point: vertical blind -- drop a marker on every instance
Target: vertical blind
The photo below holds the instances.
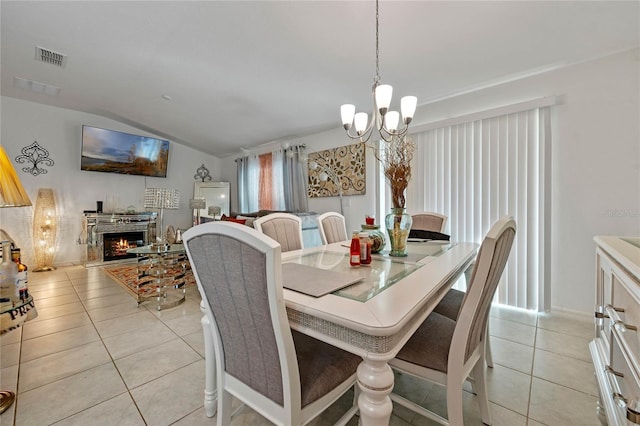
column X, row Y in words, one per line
column 478, row 171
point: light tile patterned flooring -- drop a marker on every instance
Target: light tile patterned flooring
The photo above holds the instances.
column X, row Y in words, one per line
column 92, row 357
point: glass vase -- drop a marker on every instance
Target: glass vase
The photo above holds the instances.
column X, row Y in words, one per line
column 398, row 224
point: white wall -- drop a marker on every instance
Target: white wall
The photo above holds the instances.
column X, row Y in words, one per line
column 59, row 130
column 595, row 171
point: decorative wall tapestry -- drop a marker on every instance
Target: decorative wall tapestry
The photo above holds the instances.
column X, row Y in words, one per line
column 36, row 155
column 345, row 165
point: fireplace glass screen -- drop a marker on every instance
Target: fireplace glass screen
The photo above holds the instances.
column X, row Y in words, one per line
column 116, row 244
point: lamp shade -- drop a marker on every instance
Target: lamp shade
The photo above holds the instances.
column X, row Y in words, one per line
column 12, row 194
column 197, row 203
column 162, row 198
column 214, row 210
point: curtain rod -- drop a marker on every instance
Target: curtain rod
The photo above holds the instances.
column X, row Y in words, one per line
column 246, row 154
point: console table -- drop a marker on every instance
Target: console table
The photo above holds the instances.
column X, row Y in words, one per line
column 615, row 350
column 161, row 274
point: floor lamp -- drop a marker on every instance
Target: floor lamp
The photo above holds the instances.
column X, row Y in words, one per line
column 12, row 194
column 161, row 198
column 45, row 230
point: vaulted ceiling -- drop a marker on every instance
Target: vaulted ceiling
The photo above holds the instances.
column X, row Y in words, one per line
column 244, row 73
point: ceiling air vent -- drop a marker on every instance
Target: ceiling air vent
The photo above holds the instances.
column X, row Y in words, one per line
column 50, row 57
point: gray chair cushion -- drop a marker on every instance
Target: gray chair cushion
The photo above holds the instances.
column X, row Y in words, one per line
column 322, row 367
column 429, row 345
column 450, row 304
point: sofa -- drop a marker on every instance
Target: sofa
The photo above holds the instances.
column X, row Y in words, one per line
column 310, row 232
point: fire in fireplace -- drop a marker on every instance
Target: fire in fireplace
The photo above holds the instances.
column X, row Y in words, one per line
column 116, row 244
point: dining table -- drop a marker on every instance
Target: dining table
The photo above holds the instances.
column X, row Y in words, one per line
column 374, row 316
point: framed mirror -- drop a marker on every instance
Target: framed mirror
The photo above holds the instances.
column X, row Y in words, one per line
column 216, row 199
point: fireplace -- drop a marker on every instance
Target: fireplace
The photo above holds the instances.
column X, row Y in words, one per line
column 109, row 235
column 116, row 244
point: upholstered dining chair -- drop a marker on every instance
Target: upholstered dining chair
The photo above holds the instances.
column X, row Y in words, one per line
column 332, row 228
column 286, row 376
column 285, row 228
column 445, row 351
column 429, row 221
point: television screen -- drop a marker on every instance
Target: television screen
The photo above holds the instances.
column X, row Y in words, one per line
column 117, row 152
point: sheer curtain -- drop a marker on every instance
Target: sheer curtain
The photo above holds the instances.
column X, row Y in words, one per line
column 277, row 180
column 477, row 171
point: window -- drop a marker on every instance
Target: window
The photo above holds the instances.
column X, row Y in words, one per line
column 478, row 171
column 273, row 181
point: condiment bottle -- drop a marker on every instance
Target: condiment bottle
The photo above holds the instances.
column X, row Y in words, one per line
column 22, row 274
column 354, row 253
column 365, row 248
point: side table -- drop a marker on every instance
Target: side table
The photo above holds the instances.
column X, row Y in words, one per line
column 11, row 317
column 161, row 274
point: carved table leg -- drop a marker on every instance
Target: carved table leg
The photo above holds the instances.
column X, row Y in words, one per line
column 375, row 380
column 210, row 387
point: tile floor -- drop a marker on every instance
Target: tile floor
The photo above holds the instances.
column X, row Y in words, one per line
column 92, row 357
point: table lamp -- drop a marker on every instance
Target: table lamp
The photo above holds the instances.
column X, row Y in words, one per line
column 214, row 210
column 197, row 204
column 161, row 198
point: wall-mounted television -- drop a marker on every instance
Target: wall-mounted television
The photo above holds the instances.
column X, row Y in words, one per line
column 118, row 152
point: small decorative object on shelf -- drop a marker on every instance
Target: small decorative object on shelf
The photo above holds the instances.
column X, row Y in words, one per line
column 202, row 173
column 36, row 155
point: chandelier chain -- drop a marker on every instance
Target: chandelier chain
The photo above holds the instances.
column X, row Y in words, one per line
column 377, row 77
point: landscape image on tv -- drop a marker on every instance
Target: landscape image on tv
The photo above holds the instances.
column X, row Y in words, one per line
column 117, row 152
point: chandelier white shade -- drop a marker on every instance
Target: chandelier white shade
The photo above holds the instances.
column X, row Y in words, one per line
column 385, row 121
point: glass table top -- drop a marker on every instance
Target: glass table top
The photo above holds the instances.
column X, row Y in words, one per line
column 383, row 272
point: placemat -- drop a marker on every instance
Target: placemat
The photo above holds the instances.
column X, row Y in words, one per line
column 314, row 282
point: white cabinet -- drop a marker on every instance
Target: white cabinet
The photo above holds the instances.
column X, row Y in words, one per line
column 615, row 350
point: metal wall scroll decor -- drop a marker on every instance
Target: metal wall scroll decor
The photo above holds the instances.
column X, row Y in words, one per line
column 37, row 156
column 348, row 163
column 202, row 173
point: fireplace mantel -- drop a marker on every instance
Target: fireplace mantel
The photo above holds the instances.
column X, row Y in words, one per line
column 96, row 225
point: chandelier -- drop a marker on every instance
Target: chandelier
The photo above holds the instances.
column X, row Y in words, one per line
column 385, row 121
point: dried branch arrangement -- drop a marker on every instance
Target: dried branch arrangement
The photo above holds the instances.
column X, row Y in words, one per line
column 395, row 158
